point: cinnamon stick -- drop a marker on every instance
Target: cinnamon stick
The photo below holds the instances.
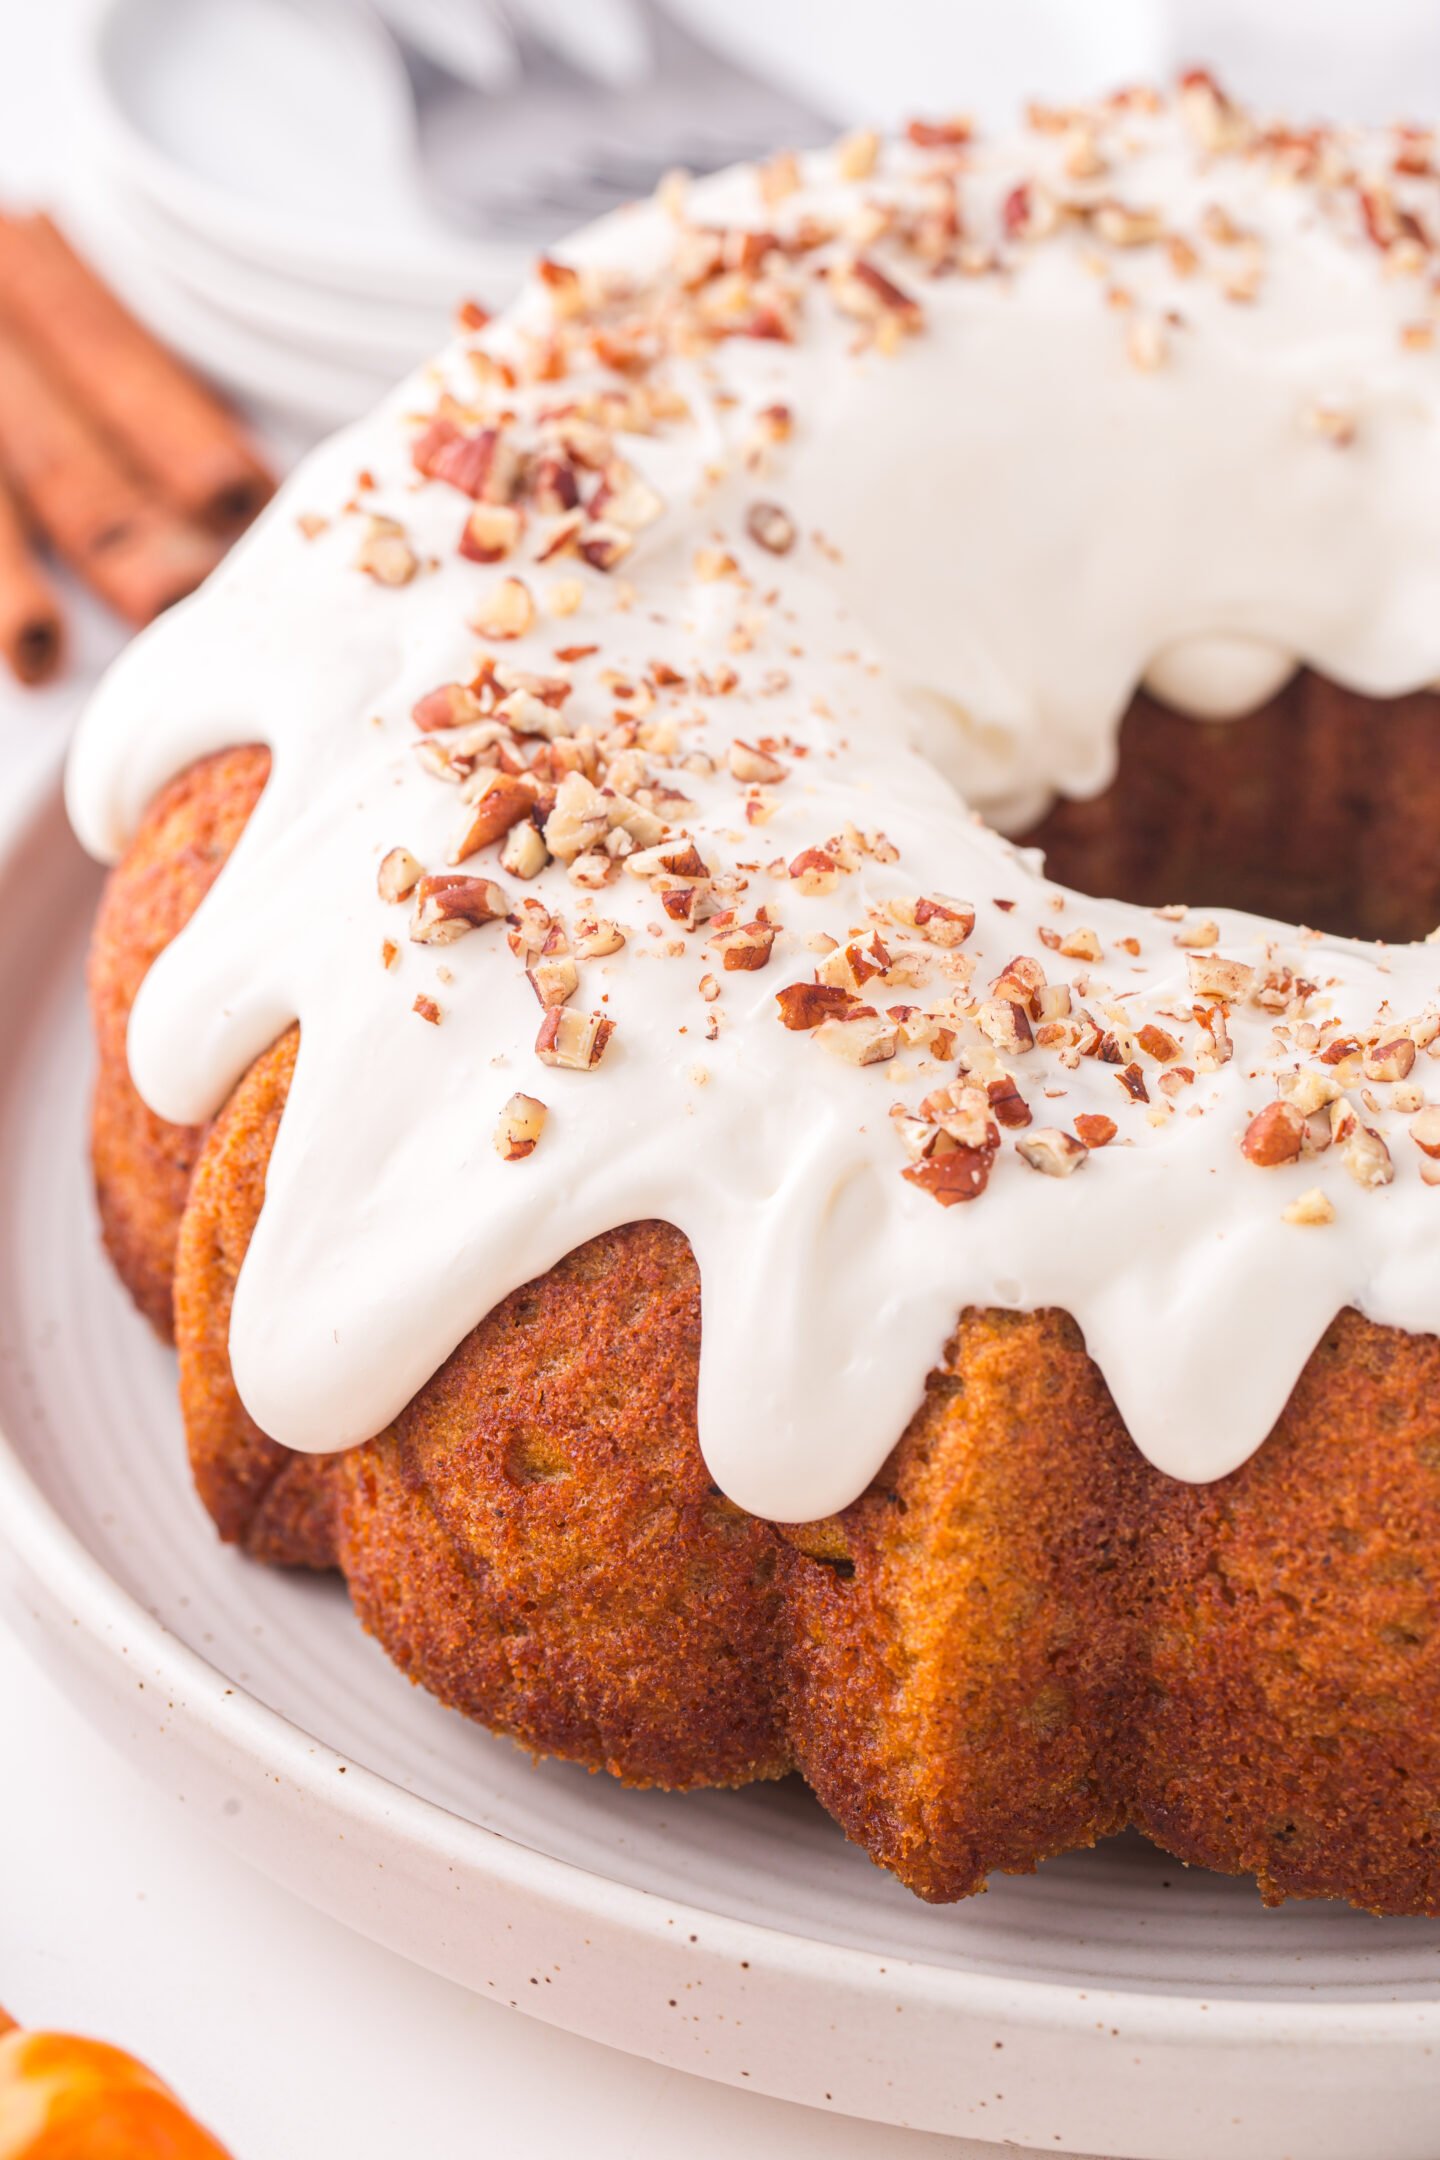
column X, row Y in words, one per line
column 175, row 433
column 134, row 552
column 31, row 635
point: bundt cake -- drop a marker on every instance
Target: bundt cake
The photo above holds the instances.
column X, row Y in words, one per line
column 552, row 899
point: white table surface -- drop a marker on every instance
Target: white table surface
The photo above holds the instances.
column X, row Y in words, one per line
column 294, row 2038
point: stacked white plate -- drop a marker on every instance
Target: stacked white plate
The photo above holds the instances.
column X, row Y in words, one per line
column 248, row 181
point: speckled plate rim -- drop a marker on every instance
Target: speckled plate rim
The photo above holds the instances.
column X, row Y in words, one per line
column 1155, row 2074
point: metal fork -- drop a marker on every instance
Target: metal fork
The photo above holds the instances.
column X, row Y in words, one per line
column 557, row 148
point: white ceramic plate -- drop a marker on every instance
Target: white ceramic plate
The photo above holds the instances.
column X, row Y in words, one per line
column 323, row 391
column 279, row 132
column 1113, row 2003
column 288, row 311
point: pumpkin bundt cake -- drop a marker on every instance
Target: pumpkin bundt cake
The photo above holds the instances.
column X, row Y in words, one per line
column 561, row 889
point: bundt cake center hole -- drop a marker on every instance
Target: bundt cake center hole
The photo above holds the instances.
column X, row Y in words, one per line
column 1321, row 808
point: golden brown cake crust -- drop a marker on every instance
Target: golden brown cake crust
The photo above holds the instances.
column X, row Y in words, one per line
column 142, row 1165
column 1020, row 1638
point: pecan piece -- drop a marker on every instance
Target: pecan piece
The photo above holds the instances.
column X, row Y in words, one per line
column 805, row 1005
column 492, row 531
column 1312, row 1210
column 398, row 875
column 1051, row 1151
column 1213, row 976
column 1425, row 1131
column 573, row 1039
column 482, row 464
column 385, row 554
column 446, row 907
column 1390, row 1060
column 962, row 1174
column 1007, row 1104
column 1006, row 1024
column 745, row 947
column 1273, row 1136
column 1095, row 1130
column 506, row 612
column 518, row 1132
column 939, row 919
column 499, row 801
column 453, row 705
column 751, row 765
column 770, row 527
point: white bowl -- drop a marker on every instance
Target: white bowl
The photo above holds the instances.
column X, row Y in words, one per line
column 325, row 393
column 372, row 335
column 279, row 131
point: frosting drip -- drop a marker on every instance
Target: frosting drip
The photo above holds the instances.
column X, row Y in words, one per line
column 1095, row 455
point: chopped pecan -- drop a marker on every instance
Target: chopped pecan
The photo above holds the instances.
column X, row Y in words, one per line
column 1051, row 1151
column 498, row 802
column 856, row 155
column 507, row 611
column 1197, row 936
column 1273, row 1136
column 453, row 705
column 1390, row 1059
column 1312, row 1210
column 1095, row 1129
column 524, row 854
column 1007, row 1103
column 603, row 544
column 1080, row 944
column 573, row 1039
column 754, row 766
column 964, row 1114
column 745, row 947
column 580, row 817
column 492, row 531
column 521, row 1123
column 862, row 289
column 805, row 1005
column 385, row 554
column 1120, row 225
column 553, row 977
column 398, row 875
column 1007, row 1024
column 962, row 1174
column 596, row 938
column 770, row 527
column 859, row 1036
column 1362, row 1150
column 482, row 464
column 446, row 907
column 669, row 859
column 815, row 871
column 1425, row 1131
column 1212, row 976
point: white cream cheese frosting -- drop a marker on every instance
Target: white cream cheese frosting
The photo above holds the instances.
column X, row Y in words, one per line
column 1144, row 391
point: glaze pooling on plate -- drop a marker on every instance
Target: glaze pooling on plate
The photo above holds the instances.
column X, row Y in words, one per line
column 881, row 518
